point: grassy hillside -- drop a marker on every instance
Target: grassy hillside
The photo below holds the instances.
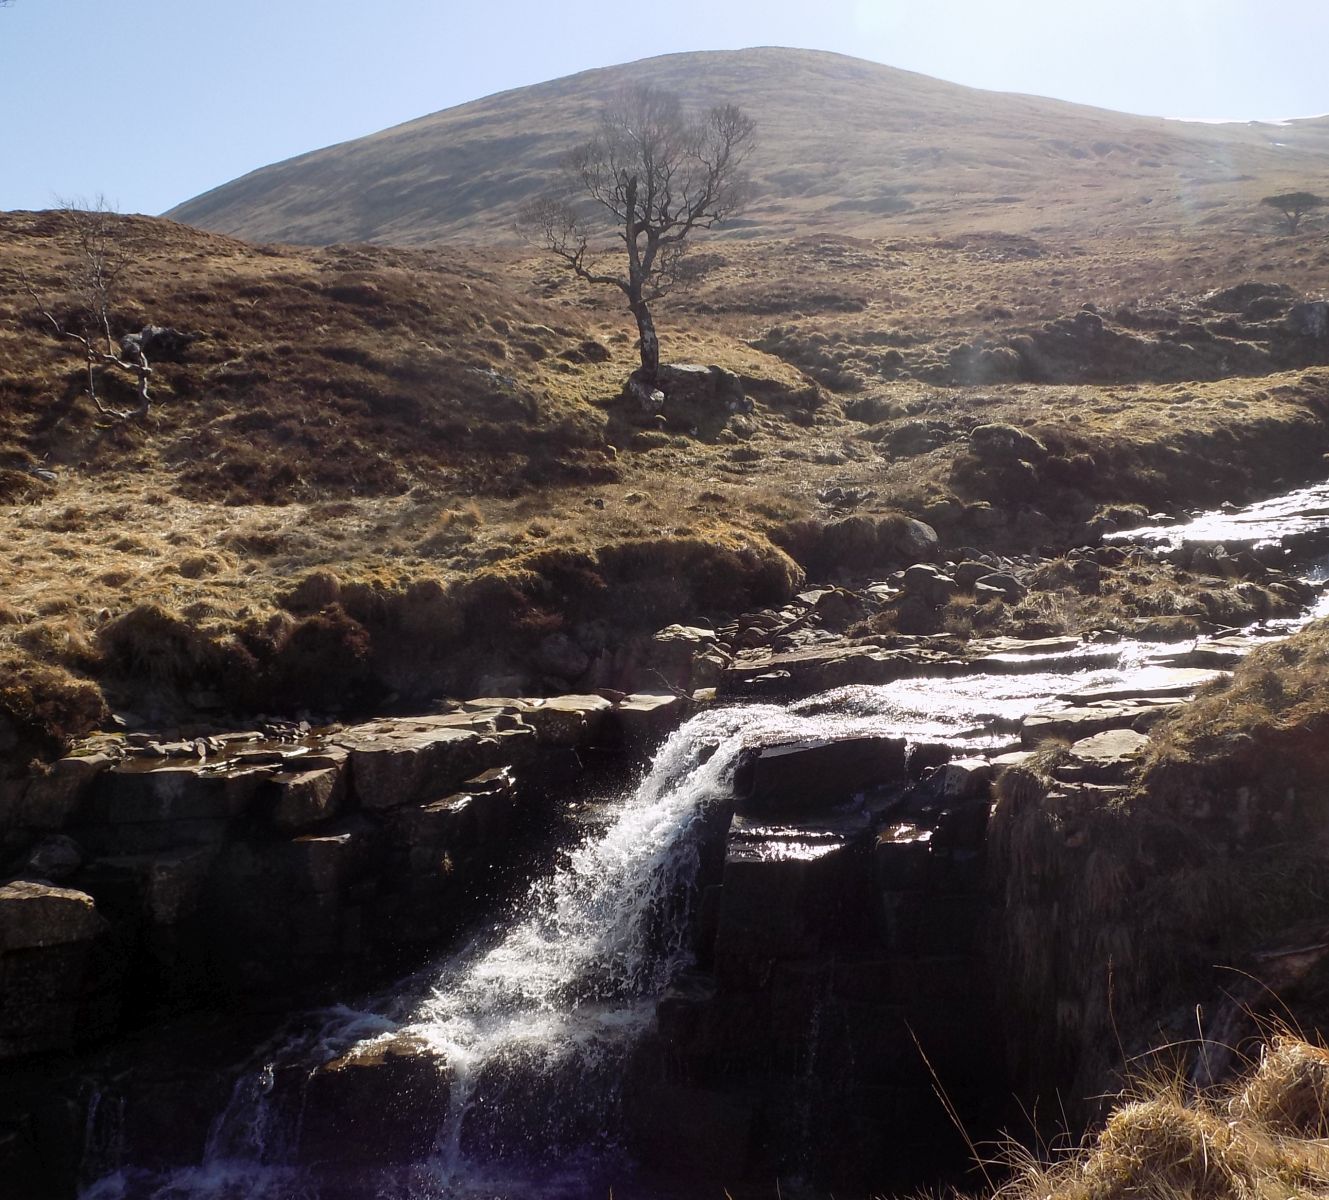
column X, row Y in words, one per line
column 389, row 472
column 845, row 146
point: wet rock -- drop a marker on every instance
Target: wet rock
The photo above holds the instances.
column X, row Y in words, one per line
column 382, row 1103
column 964, row 779
column 811, row 776
column 781, row 898
column 693, row 1132
column 1085, row 721
column 1151, row 683
column 901, row 858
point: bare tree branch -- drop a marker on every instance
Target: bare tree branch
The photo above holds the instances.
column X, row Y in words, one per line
column 656, row 178
column 102, row 255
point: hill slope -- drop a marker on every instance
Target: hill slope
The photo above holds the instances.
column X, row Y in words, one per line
column 845, row 145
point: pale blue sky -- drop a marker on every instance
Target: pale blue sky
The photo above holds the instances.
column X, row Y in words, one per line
column 151, row 101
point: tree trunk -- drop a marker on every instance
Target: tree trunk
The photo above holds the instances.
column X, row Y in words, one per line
column 650, row 344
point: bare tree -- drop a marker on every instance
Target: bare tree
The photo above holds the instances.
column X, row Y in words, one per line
column 1295, row 205
column 102, row 252
column 656, row 177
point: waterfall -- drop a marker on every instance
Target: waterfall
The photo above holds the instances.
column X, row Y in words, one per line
column 537, row 1019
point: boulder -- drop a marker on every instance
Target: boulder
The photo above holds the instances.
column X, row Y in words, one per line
column 1007, row 584
column 1004, row 443
column 905, row 539
column 969, row 572
column 695, row 385
column 928, row 584
column 54, row 992
column 675, row 649
column 54, row 859
column 36, row 915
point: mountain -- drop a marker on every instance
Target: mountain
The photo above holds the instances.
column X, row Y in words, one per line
column 846, row 146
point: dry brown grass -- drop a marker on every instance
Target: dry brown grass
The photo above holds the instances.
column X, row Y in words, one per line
column 413, row 425
column 1262, row 1138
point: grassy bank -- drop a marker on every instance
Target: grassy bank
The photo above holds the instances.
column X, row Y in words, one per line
column 440, row 447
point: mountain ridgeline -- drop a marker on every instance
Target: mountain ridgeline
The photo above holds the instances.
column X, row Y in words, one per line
column 845, row 146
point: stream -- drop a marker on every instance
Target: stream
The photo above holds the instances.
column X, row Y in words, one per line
column 534, row 1023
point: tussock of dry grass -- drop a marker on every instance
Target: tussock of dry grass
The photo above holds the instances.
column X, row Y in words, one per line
column 1279, row 691
column 1260, row 1139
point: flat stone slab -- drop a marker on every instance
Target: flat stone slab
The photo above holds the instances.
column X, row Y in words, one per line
column 416, row 760
column 1083, row 721
column 571, row 720
column 1104, row 758
column 34, row 915
column 645, row 717
column 1149, row 682
column 1024, row 646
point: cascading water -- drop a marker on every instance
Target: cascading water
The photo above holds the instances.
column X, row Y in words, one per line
column 536, row 1022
